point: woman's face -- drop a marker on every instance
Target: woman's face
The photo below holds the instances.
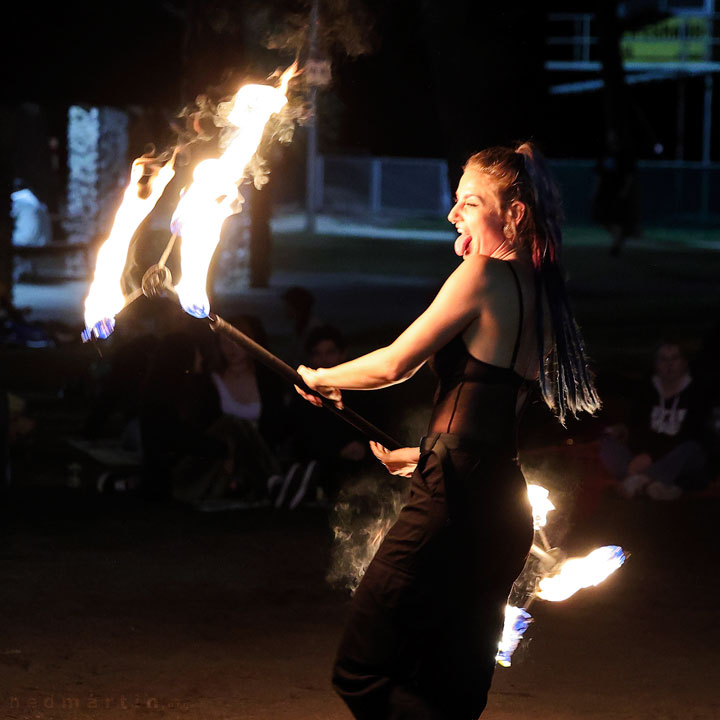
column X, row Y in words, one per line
column 477, row 216
column 670, row 363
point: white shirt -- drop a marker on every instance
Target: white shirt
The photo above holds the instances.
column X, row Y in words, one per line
column 230, row 406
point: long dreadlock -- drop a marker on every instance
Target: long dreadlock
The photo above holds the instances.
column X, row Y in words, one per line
column 522, row 175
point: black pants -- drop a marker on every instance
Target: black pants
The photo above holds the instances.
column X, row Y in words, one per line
column 425, row 622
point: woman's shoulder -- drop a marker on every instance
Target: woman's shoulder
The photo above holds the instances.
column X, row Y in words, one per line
column 485, row 273
column 486, row 264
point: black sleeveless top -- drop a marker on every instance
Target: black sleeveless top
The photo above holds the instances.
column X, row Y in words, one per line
column 474, row 399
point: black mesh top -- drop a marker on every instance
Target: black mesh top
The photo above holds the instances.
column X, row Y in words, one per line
column 475, row 399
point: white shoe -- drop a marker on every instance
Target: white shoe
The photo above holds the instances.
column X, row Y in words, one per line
column 661, row 491
column 287, row 482
column 303, row 488
column 274, row 485
column 632, row 485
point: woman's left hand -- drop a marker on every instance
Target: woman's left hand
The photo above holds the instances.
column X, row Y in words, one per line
column 398, row 462
column 313, row 380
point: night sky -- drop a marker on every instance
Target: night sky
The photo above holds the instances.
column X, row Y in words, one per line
column 434, row 79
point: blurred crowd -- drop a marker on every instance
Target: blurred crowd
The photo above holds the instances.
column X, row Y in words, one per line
column 178, row 412
column 210, row 427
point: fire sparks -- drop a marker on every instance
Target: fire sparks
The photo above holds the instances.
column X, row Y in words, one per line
column 517, row 621
column 212, row 196
column 578, row 573
column 105, row 298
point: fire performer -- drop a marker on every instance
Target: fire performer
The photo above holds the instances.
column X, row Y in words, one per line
column 426, row 619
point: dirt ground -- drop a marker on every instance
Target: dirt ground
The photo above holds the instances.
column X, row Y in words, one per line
column 112, row 609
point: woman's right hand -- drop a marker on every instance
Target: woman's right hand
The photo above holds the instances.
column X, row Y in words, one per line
column 398, row 462
column 313, row 380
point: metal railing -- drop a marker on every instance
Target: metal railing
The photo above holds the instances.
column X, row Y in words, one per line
column 382, row 185
column 572, row 42
column 669, row 192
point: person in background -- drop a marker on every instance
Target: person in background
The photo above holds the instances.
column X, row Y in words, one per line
column 4, row 443
column 616, row 203
column 707, row 372
column 327, row 451
column 179, row 405
column 32, row 219
column 299, row 310
column 253, row 415
column 662, row 450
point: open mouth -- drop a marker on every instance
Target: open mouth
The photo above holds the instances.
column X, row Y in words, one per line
column 462, row 244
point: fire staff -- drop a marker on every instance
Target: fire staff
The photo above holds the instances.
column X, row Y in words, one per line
column 424, row 625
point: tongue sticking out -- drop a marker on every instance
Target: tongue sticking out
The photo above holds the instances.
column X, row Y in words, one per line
column 462, row 244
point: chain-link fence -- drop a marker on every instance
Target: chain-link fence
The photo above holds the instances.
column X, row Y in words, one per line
column 669, row 192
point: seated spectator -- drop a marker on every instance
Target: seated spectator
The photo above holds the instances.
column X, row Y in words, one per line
column 16, row 430
column 21, row 426
column 116, row 384
column 4, row 442
column 662, row 451
column 209, row 420
column 326, row 449
column 708, row 374
column 179, row 404
column 299, row 310
column 252, row 421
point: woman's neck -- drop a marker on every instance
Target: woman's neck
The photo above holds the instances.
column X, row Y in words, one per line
column 672, row 386
column 506, row 251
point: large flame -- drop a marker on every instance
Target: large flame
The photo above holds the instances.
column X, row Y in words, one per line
column 517, row 621
column 541, row 505
column 577, row 573
column 105, row 298
column 211, row 197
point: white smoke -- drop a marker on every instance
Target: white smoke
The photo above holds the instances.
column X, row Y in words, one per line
column 363, row 514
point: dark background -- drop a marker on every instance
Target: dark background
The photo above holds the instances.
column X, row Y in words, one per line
column 409, row 78
column 105, row 595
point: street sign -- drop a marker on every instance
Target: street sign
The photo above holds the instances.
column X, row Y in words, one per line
column 318, row 72
column 675, row 39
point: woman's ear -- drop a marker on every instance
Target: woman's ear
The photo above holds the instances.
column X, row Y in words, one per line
column 516, row 211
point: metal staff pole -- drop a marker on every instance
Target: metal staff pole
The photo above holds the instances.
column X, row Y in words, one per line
column 158, row 281
column 274, row 363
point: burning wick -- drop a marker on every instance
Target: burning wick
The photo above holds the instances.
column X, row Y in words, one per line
column 517, row 621
column 557, row 578
column 578, row 573
column 105, row 298
column 212, row 196
column 198, row 218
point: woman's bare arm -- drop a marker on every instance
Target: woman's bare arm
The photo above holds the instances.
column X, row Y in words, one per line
column 456, row 305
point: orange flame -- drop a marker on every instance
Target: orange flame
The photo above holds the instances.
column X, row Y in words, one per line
column 105, row 298
column 577, row 573
column 211, row 197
